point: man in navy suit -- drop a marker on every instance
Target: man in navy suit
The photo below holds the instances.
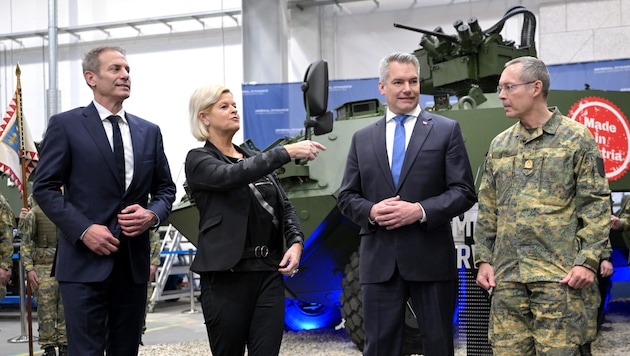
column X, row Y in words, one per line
column 407, row 249
column 117, row 185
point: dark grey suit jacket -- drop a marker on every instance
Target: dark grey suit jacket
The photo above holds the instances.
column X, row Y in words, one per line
column 76, row 154
column 436, row 173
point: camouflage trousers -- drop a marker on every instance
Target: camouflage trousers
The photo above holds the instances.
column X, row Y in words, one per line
column 539, row 318
column 3, row 291
column 150, row 288
column 592, row 299
column 50, row 317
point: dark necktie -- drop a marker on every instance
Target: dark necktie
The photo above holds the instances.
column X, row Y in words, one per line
column 398, row 152
column 119, row 149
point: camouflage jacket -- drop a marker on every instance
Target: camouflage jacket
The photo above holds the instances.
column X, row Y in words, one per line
column 7, row 224
column 156, row 247
column 624, row 216
column 28, row 229
column 544, row 202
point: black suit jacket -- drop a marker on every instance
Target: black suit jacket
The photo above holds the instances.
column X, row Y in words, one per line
column 222, row 196
column 76, row 154
column 436, row 173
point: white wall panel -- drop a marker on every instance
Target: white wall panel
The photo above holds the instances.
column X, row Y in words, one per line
column 305, row 42
column 552, row 18
column 611, row 43
column 566, row 47
column 625, row 13
column 593, row 14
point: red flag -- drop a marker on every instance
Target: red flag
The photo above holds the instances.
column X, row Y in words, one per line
column 11, row 138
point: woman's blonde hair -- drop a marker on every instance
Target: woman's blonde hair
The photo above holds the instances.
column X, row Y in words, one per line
column 202, row 99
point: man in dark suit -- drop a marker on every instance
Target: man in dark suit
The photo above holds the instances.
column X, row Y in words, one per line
column 407, row 249
column 117, row 185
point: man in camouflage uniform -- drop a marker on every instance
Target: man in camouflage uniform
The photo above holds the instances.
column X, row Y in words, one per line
column 7, row 224
column 156, row 249
column 594, row 301
column 621, row 221
column 543, row 220
column 39, row 241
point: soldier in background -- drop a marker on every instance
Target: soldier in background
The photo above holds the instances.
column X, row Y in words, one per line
column 621, row 221
column 39, row 242
column 156, row 249
column 7, row 223
column 594, row 299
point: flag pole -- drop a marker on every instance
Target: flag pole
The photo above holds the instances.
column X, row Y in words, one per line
column 18, row 113
column 22, row 150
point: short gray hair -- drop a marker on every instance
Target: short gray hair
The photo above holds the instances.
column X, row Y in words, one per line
column 533, row 69
column 400, row 57
column 91, row 61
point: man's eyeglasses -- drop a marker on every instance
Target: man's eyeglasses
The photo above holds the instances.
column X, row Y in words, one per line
column 509, row 87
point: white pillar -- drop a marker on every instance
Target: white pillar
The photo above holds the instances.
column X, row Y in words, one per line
column 265, row 41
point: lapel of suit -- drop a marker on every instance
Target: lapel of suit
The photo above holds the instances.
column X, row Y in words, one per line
column 379, row 147
column 421, row 130
column 94, row 126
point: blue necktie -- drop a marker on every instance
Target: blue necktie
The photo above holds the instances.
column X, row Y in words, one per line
column 119, row 150
column 398, row 152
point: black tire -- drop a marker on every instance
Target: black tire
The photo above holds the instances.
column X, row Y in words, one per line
column 352, row 312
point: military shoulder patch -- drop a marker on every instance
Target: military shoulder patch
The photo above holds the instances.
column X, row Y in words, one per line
column 600, row 167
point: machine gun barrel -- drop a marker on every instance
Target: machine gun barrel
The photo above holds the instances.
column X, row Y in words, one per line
column 443, row 36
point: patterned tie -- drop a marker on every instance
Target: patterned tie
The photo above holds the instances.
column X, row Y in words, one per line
column 398, row 152
column 119, row 149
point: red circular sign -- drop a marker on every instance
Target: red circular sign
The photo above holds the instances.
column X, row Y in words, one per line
column 610, row 127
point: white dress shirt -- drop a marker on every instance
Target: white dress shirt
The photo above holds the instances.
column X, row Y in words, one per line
column 390, row 129
column 126, row 137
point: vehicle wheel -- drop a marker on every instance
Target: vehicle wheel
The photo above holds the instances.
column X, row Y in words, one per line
column 352, row 312
column 308, row 316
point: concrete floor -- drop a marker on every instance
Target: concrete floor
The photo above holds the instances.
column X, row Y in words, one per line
column 170, row 322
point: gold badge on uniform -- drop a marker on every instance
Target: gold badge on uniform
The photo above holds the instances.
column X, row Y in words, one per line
column 529, row 164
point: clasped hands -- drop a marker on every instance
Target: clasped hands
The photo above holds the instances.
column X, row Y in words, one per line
column 133, row 221
column 392, row 213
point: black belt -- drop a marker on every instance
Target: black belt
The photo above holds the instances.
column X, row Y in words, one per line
column 256, row 252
